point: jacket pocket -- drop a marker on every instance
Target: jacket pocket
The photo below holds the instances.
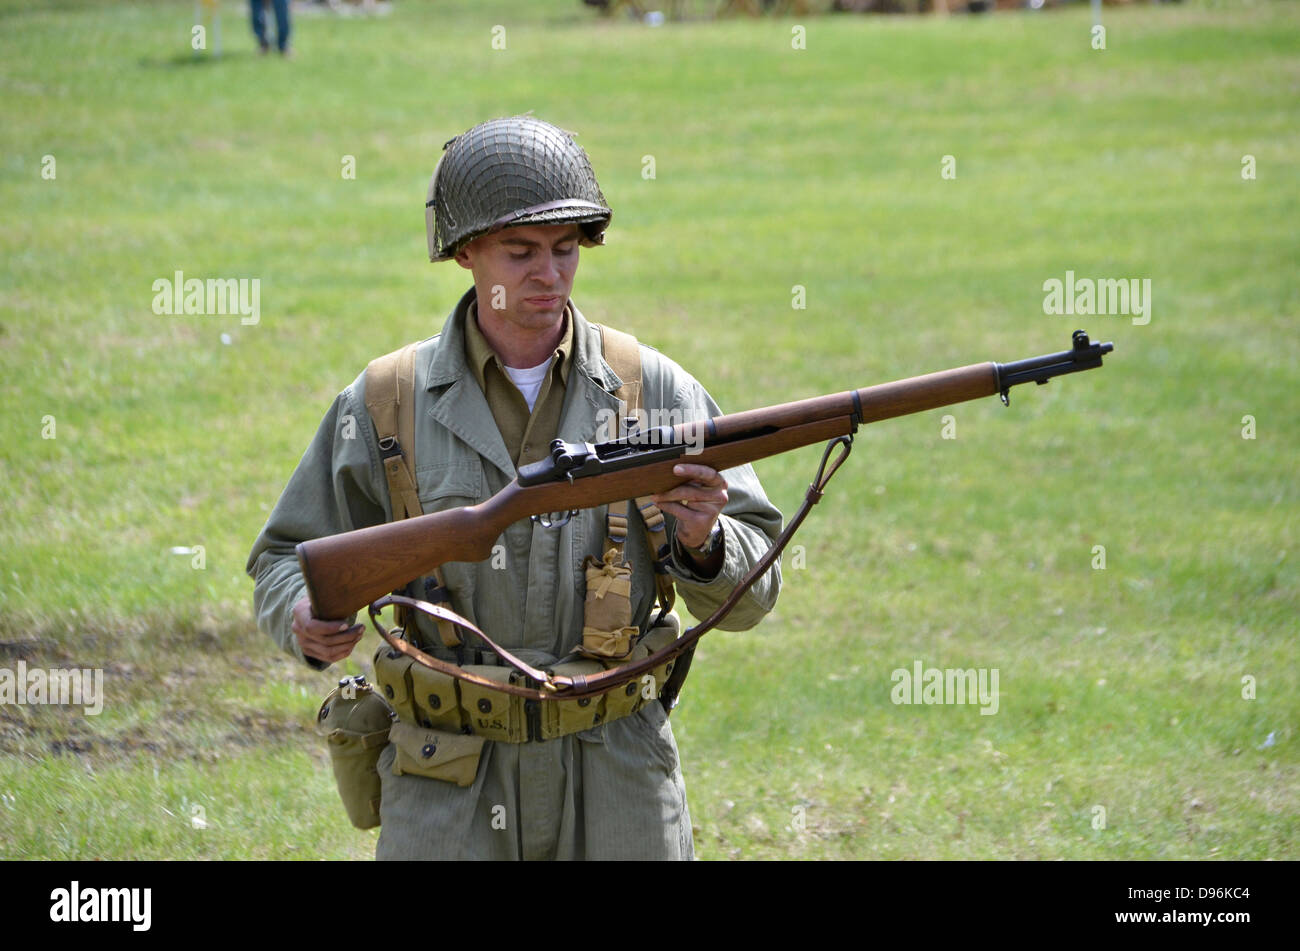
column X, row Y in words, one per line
column 650, row 723
column 450, row 486
column 443, row 487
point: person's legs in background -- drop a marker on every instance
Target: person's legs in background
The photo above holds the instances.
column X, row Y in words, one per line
column 259, row 24
column 282, row 25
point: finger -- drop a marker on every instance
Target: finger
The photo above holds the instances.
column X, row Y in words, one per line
column 689, row 516
column 351, row 635
column 329, row 656
column 340, row 653
column 700, row 474
column 710, row 507
column 693, row 492
column 320, row 629
column 681, row 512
column 699, row 481
column 336, row 648
column 697, row 513
column 316, row 643
column 330, row 627
column 329, row 641
column 691, row 522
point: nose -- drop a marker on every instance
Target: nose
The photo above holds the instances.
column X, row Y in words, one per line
column 548, row 268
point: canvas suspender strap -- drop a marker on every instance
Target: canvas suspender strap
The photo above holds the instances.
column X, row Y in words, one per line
column 390, row 398
column 387, row 379
column 623, row 354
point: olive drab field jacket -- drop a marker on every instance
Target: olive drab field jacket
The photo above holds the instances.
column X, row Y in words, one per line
column 613, row 791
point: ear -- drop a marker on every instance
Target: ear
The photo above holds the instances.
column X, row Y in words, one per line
column 465, row 256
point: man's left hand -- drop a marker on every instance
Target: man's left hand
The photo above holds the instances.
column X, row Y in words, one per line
column 695, row 504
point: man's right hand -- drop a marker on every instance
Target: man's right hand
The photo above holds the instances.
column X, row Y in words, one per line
column 330, row 641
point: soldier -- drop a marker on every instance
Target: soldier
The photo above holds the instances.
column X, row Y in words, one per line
column 516, row 365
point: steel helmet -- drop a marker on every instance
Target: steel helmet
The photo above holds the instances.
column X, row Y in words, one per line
column 506, row 172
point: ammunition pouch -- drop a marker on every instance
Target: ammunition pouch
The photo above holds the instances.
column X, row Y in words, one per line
column 435, row 754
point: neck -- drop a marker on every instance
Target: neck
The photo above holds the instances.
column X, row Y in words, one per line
column 520, row 347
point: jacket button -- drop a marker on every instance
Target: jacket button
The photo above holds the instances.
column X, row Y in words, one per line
column 485, row 705
column 388, row 691
column 631, row 688
column 584, row 702
column 428, row 750
column 435, row 701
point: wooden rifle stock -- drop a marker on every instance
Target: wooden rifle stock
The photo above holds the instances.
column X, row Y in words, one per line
column 346, row 572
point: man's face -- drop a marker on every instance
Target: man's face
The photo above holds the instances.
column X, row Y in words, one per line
column 524, row 274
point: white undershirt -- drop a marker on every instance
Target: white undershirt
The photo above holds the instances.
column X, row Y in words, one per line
column 529, row 380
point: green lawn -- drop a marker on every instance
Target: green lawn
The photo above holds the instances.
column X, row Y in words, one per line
column 1122, row 730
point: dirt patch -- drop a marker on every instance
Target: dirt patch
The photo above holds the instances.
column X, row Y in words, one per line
column 187, row 735
column 31, row 648
column 168, row 689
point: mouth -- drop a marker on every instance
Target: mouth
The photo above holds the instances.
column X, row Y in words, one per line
column 549, row 301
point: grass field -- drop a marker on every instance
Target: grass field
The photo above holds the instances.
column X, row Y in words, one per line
column 1124, row 727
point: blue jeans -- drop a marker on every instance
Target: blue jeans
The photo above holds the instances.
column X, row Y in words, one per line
column 281, row 23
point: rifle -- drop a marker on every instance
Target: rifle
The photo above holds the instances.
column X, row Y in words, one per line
column 348, row 571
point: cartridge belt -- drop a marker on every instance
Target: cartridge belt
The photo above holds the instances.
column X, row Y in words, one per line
column 476, row 705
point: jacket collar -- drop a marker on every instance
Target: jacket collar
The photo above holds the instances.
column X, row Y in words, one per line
column 464, row 410
column 449, row 363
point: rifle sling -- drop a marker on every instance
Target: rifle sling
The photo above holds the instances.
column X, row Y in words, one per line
column 552, row 687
